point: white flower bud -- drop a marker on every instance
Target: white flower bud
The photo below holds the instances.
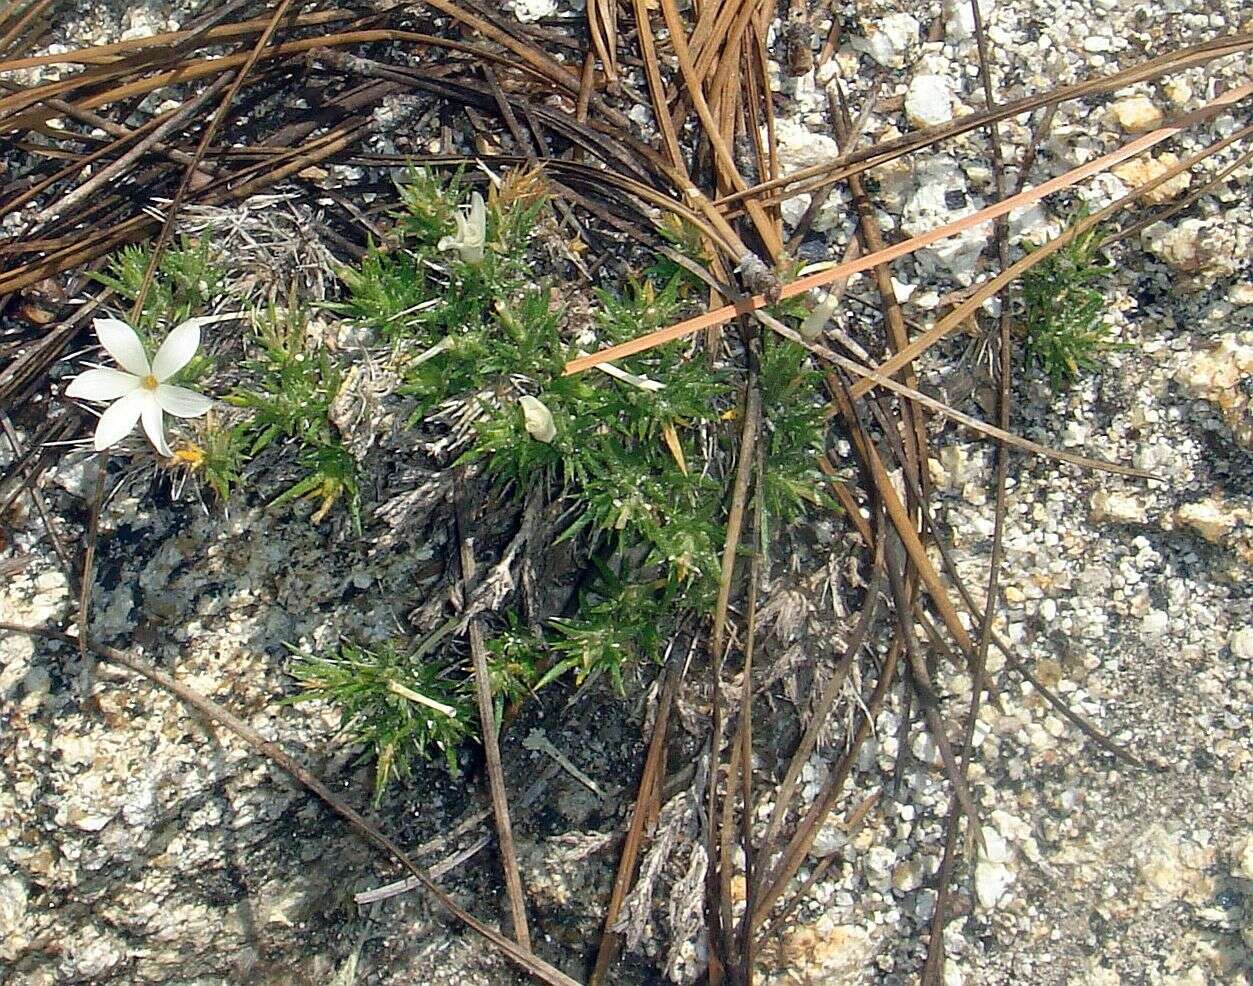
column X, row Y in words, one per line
column 539, row 420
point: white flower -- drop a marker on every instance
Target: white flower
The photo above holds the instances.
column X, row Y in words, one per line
column 471, row 232
column 538, row 419
column 139, row 390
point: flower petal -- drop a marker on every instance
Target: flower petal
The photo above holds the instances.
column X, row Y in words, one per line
column 122, row 343
column 538, row 419
column 119, row 418
column 181, row 402
column 177, row 350
column 101, row 384
column 154, row 426
column 478, row 215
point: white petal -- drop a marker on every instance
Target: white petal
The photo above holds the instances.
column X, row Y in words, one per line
column 181, row 402
column 121, row 342
column 154, row 427
column 447, row 242
column 476, row 228
column 119, row 418
column 538, row 419
column 101, row 384
column 643, row 383
column 177, row 350
column 429, row 354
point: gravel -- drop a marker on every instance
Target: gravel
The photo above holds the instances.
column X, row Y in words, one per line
column 140, row 846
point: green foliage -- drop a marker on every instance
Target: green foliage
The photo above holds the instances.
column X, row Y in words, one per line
column 1063, row 309
column 641, row 309
column 290, row 398
column 517, row 335
column 293, row 387
column 619, row 623
column 388, row 292
column 515, row 660
column 693, row 393
column 384, row 700
column 445, row 368
column 331, row 477
column 639, row 496
column 635, row 459
column 794, row 422
column 630, row 462
column 526, row 338
column 515, row 458
column 427, row 206
column 216, row 455
column 415, row 291
column 188, row 278
column 685, row 239
column 513, row 210
column 623, row 455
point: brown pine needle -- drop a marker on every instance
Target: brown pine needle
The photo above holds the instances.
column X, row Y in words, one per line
column 272, row 752
column 720, row 316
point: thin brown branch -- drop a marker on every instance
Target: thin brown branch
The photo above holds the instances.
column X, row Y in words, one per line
column 1027, row 197
column 491, row 745
column 717, row 903
column 802, row 181
column 152, row 139
column 646, row 798
column 107, row 54
column 802, row 841
column 818, row 718
column 933, row 968
column 272, row 752
column 678, row 40
column 167, row 228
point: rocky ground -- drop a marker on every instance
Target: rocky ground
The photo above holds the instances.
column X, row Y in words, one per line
column 140, row 845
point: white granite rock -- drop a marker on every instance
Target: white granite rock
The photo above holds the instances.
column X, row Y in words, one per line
column 1117, row 508
column 1220, row 375
column 959, row 19
column 992, row 880
column 889, row 38
column 13, row 897
column 1136, row 114
column 942, row 196
column 928, row 101
column 993, row 875
column 529, row 11
column 1212, row 518
column 1203, row 249
column 1242, row 858
column 907, row 876
column 800, row 147
column 1143, row 169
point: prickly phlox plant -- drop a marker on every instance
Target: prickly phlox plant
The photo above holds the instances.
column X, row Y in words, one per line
column 1063, row 308
column 631, row 460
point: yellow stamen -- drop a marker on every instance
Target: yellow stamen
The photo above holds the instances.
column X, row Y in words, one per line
column 149, row 382
column 191, row 456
